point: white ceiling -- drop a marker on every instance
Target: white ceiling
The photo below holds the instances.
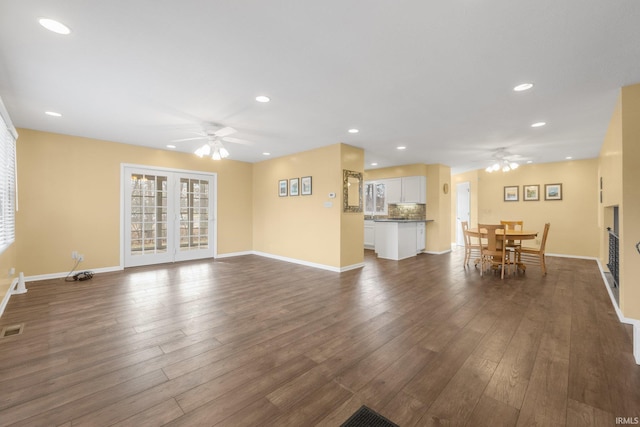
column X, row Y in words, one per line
column 435, row 76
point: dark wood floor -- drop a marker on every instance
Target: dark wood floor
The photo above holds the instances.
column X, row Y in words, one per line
column 251, row 341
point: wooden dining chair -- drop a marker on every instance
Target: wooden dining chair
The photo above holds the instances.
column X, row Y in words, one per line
column 513, row 246
column 471, row 245
column 493, row 251
column 536, row 256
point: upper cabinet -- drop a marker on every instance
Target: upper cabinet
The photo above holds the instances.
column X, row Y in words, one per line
column 408, row 189
column 394, row 190
column 414, row 189
column 379, row 193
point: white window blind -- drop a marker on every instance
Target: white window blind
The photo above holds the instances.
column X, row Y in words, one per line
column 8, row 137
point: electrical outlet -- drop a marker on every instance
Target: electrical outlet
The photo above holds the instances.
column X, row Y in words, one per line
column 74, row 255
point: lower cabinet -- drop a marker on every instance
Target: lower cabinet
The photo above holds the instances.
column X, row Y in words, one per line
column 398, row 239
column 369, row 234
column 421, row 243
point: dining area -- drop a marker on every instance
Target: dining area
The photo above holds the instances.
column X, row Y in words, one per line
column 506, row 248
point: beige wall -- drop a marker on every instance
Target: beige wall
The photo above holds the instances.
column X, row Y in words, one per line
column 308, row 228
column 574, row 220
column 619, row 168
column 438, row 231
column 630, row 206
column 351, row 223
column 69, row 196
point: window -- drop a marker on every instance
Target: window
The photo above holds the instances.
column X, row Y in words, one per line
column 7, row 179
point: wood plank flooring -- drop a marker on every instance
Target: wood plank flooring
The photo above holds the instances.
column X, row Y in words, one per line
column 251, row 341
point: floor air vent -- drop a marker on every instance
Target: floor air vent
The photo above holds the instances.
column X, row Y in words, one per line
column 8, row 331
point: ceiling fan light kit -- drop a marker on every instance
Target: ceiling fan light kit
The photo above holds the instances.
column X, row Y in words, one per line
column 505, row 165
column 502, row 163
column 215, row 148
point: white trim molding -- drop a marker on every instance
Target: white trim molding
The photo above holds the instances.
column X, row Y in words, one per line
column 636, row 341
column 310, row 264
column 5, row 300
column 437, row 253
column 63, row 275
column 232, row 254
column 634, row 322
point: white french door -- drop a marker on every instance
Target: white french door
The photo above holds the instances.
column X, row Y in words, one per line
column 168, row 215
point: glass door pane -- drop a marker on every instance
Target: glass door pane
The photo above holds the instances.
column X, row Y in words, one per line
column 195, row 217
column 147, row 216
column 168, row 216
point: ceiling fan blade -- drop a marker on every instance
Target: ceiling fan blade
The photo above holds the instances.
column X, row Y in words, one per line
column 237, row 141
column 225, row 131
column 189, row 139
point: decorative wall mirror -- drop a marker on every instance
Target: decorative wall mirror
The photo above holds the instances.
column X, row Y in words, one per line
column 352, row 191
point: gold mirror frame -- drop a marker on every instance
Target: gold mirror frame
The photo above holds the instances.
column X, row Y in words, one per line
column 350, row 178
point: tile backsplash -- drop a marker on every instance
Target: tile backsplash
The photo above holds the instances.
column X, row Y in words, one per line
column 408, row 210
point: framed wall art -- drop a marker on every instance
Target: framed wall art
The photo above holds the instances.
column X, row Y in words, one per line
column 282, row 188
column 553, row 191
column 511, row 193
column 294, row 184
column 530, row 192
column 305, row 185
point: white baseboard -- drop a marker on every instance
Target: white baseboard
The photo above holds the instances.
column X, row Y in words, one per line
column 232, row 254
column 634, row 322
column 39, row 277
column 636, row 341
column 5, row 299
column 436, row 253
column 310, row 264
column 572, row 256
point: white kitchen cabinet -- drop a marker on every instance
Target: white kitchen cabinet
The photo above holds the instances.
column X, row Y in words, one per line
column 408, row 189
column 395, row 239
column 369, row 234
column 420, row 236
column 414, row 189
column 394, row 189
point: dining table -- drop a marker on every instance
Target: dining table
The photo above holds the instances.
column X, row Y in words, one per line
column 507, row 234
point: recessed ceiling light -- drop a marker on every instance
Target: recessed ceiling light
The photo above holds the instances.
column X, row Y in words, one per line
column 53, row 114
column 568, row 157
column 353, row 130
column 523, row 86
column 171, row 146
column 402, row 147
column 374, row 164
column 262, row 98
column 538, row 124
column 529, row 161
column 266, row 154
column 55, row 26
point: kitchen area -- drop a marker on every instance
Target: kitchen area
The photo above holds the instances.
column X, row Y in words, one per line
column 395, row 216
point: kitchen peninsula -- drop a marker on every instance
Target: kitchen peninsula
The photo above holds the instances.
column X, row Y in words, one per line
column 399, row 238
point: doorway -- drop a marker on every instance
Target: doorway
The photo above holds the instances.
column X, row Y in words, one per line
column 168, row 215
column 463, row 209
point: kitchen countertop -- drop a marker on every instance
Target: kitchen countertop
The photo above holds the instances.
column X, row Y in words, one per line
column 401, row 220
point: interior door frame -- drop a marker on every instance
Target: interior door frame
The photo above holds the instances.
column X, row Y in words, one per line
column 462, row 188
column 124, row 181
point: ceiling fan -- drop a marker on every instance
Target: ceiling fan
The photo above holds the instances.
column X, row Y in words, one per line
column 214, row 146
column 503, row 160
